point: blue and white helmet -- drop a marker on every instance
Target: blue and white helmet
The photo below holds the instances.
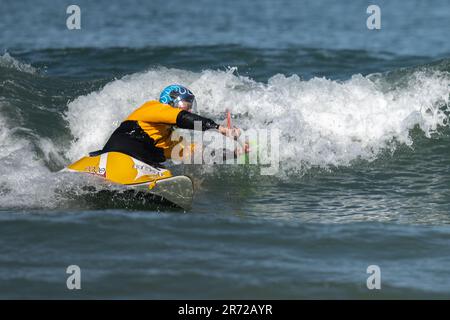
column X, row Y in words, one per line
column 175, row 93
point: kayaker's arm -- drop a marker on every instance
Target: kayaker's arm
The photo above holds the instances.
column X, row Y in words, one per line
column 155, row 112
column 186, row 120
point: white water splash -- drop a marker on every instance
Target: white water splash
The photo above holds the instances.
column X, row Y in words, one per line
column 322, row 122
column 25, row 180
column 7, row 61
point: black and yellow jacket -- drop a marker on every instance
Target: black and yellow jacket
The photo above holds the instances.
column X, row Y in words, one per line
column 146, row 133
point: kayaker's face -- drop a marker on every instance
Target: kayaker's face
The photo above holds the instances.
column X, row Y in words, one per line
column 185, row 105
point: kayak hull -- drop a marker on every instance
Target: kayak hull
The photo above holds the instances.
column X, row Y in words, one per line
column 133, row 174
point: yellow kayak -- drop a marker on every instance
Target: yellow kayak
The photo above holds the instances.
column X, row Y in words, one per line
column 134, row 174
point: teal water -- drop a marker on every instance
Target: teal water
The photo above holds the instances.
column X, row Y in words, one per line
column 364, row 169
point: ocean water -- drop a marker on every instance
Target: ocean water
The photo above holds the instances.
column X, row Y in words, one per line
column 364, row 175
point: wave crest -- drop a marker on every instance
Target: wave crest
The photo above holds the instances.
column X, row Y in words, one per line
column 6, row 61
column 322, row 122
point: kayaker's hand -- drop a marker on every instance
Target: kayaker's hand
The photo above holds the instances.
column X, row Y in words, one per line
column 230, row 132
column 242, row 150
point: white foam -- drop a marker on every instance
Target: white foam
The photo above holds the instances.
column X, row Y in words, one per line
column 25, row 180
column 9, row 62
column 18, row 169
column 323, row 122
